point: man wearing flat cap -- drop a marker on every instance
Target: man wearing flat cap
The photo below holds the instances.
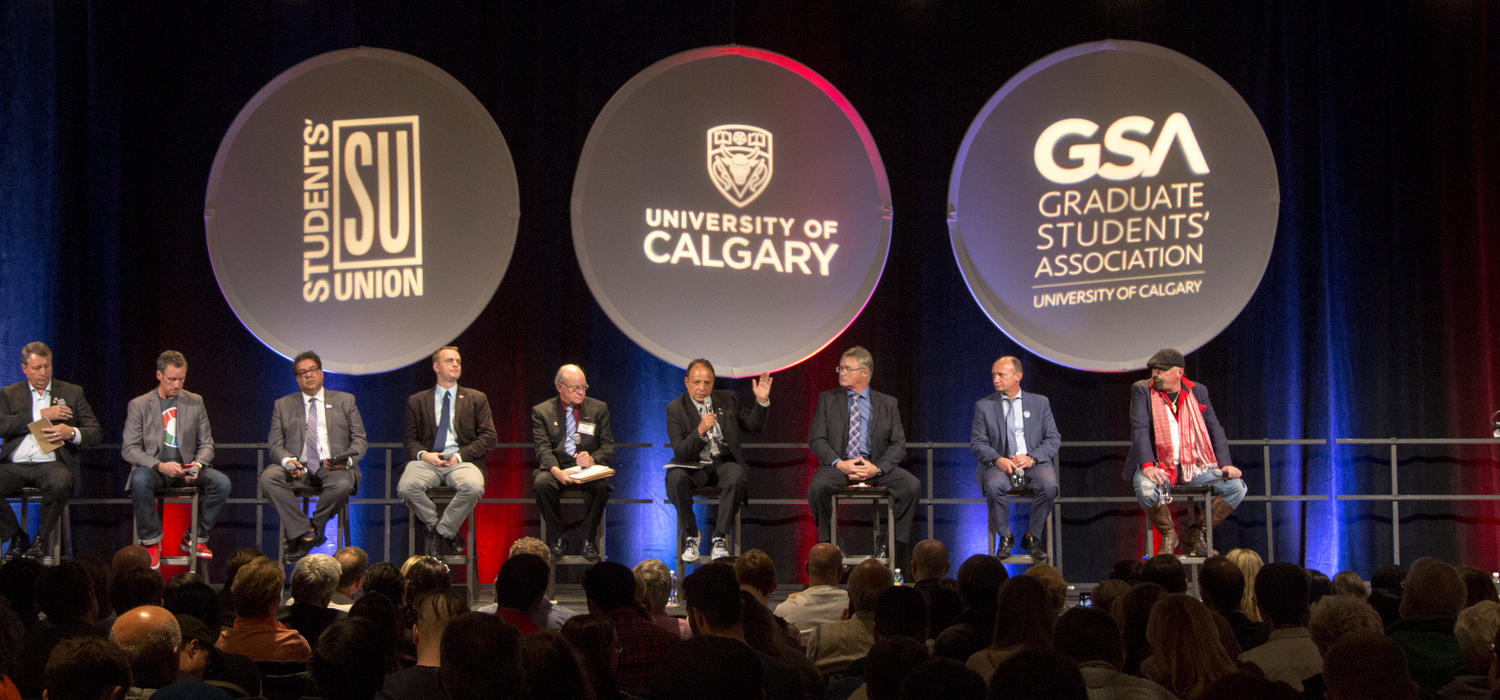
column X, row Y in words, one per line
column 1176, row 439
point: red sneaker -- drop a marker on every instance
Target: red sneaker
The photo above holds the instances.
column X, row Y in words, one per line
column 203, row 552
column 155, row 551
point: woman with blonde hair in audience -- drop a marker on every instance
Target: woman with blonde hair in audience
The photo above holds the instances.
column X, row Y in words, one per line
column 653, row 586
column 1249, row 563
column 1347, row 582
column 1186, row 654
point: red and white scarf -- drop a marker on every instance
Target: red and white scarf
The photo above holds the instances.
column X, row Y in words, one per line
column 1195, row 452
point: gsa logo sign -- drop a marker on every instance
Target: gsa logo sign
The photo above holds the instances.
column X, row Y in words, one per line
column 1111, row 199
column 370, row 225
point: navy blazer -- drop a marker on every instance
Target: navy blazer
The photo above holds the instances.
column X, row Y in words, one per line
column 1143, row 438
column 830, row 429
column 988, row 435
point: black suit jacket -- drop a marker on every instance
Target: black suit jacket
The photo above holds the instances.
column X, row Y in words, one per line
column 471, row 420
column 547, row 434
column 1143, row 438
column 682, row 425
column 830, row 429
column 15, row 415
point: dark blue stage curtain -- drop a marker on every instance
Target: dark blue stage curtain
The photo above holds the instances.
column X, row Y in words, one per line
column 1376, row 318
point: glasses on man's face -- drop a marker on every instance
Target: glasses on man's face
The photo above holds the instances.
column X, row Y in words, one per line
column 841, row 369
column 305, row 372
column 575, row 388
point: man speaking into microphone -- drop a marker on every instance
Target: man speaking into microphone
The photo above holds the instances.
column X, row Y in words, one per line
column 1176, row 439
column 704, row 427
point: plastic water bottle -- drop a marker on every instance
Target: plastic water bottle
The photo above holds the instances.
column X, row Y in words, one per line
column 897, row 579
column 1495, row 579
column 672, row 596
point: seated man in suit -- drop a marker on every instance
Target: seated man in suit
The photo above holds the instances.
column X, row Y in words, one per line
column 164, row 427
column 571, row 431
column 1015, row 439
column 25, row 463
column 857, row 437
column 448, row 432
column 699, row 437
column 316, row 438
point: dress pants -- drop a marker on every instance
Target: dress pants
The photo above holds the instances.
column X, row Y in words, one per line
column 994, row 484
column 337, row 485
column 728, row 476
column 53, row 478
column 418, row 476
column 548, row 494
column 905, row 488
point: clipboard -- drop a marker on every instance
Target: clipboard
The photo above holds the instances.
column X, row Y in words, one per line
column 584, row 475
column 38, row 429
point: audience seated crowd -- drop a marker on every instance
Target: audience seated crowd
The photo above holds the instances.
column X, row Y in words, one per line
column 357, row 630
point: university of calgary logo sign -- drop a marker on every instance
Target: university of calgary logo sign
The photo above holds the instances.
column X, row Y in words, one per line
column 739, row 161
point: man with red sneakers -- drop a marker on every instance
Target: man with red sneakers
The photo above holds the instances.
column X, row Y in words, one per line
column 170, row 443
column 1176, row 438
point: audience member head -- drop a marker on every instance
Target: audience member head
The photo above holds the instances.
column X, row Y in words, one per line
column 314, row 578
column 1338, row 616
column 1166, row 571
column 1479, row 583
column 197, row 650
column 1221, row 584
column 595, row 640
column 197, row 599
column 1281, row 591
column 730, row 668
column 347, row 660
column 353, row 562
column 1367, row 667
column 891, row 659
column 901, row 612
column 941, row 678
column 1037, row 673
column 1250, row 684
column 239, row 558
column 151, row 638
column 1023, row 616
column 131, row 556
column 1186, row 654
column 609, row 586
column 929, row 559
column 18, row 585
column 12, row 632
column 759, row 627
column 1349, row 583
column 98, row 571
column 979, row 580
column 256, row 590
column 551, row 669
column 522, row 582
column 825, row 565
column 1249, row 562
column 756, row 570
column 1108, row 591
column 64, row 593
column 712, row 596
column 653, row 586
column 1433, row 589
column 1133, row 614
column 386, row 620
column 1475, row 630
column 86, row 668
column 1127, row 570
column 435, row 609
column 1089, row 634
column 1318, row 585
column 424, row 574
column 866, row 582
column 133, row 588
column 384, row 578
column 531, row 545
column 481, row 658
column 1388, row 578
column 1053, row 582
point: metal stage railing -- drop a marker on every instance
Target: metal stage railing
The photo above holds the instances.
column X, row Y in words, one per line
column 926, row 459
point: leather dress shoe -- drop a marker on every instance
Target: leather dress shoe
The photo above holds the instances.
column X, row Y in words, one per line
column 18, row 544
column 1033, row 546
column 433, row 539
column 1007, row 543
column 590, row 552
column 559, row 546
column 455, row 544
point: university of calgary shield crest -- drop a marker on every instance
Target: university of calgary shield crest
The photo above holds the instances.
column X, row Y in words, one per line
column 739, row 161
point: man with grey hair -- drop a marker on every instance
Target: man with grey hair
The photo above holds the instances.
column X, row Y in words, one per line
column 571, row 431
column 314, row 579
column 1475, row 632
column 151, row 639
column 1431, row 597
column 857, row 437
column 1335, row 617
column 51, row 466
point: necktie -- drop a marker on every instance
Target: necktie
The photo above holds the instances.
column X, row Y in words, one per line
column 710, row 450
column 570, row 431
column 445, row 423
column 856, row 428
column 310, row 451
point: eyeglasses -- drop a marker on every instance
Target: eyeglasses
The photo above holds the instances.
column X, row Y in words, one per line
column 846, row 370
column 575, row 387
column 306, row 372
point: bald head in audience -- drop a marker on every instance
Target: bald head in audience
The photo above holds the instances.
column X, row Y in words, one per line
column 824, row 565
column 866, row 582
column 929, row 559
column 151, row 638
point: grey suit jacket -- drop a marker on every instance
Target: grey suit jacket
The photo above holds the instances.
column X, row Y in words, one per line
column 988, row 439
column 346, row 429
column 830, row 429
column 142, row 438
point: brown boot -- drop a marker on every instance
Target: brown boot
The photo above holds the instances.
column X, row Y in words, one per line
column 1195, row 536
column 1161, row 519
column 1221, row 510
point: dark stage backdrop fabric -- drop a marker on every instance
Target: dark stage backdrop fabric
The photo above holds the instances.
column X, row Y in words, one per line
column 1377, row 316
